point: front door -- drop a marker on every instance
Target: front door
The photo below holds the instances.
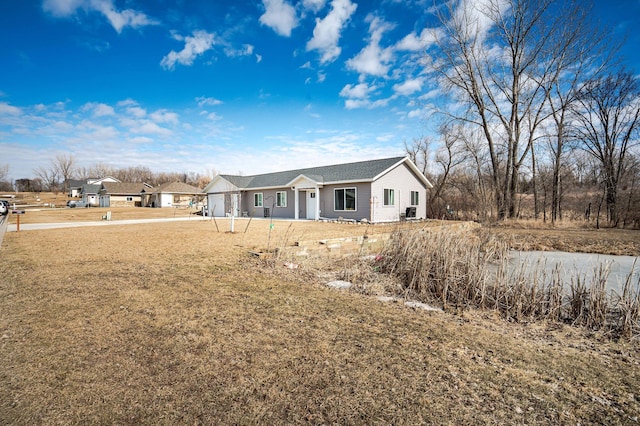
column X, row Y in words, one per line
column 312, row 204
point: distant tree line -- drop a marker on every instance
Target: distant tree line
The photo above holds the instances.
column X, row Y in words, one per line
column 539, row 117
column 56, row 175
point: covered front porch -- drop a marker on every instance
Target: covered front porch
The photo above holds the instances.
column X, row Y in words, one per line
column 310, row 188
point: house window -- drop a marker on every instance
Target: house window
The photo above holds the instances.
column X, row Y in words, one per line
column 129, row 198
column 281, row 199
column 389, row 197
column 257, row 199
column 415, row 198
column 344, row 199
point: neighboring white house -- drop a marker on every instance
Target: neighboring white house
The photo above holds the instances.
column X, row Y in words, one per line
column 382, row 190
column 75, row 185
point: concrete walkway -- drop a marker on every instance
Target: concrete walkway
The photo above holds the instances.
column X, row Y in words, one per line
column 57, row 225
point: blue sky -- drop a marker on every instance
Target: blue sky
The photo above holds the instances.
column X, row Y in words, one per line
column 227, row 86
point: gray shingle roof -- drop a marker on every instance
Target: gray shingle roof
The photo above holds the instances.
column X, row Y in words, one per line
column 123, row 188
column 88, row 188
column 360, row 171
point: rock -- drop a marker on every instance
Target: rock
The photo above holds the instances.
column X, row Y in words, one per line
column 339, row 284
column 423, row 306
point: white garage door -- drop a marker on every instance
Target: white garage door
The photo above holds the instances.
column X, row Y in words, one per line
column 216, row 204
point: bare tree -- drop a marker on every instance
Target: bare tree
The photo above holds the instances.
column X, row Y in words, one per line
column 607, row 122
column 65, row 167
column 419, row 151
column 498, row 58
column 49, row 177
column 4, row 172
column 586, row 51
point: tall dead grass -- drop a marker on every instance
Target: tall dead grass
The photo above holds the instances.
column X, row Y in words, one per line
column 460, row 270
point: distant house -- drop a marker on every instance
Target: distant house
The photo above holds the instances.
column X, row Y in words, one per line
column 173, row 194
column 75, row 185
column 90, row 194
column 122, row 194
column 383, row 190
column 98, row 181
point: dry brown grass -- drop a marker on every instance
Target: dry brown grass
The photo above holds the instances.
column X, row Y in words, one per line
column 587, row 240
column 176, row 324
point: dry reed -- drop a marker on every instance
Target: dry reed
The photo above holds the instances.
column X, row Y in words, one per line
column 459, row 270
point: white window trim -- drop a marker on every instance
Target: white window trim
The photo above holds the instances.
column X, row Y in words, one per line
column 284, row 198
column 255, row 199
column 355, row 199
column 392, row 193
column 417, row 198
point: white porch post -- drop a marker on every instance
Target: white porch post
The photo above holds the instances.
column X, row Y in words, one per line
column 317, row 215
column 296, row 197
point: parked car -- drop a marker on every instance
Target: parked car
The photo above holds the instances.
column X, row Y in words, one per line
column 4, row 207
column 72, row 203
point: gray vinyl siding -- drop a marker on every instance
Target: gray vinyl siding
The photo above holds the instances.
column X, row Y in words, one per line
column 363, row 194
column 269, row 201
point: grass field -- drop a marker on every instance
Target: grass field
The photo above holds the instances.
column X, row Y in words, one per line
column 178, row 324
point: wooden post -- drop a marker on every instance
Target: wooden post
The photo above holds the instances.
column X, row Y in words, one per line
column 18, row 224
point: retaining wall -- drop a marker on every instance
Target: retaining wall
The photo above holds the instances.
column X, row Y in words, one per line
column 363, row 244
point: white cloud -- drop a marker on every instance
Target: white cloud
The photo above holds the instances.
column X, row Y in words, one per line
column 126, row 103
column 416, row 113
column 140, row 140
column 280, row 16
column 359, row 91
column 6, row 109
column 164, row 116
column 202, row 101
column 314, row 5
column 146, row 127
column 99, row 109
column 193, row 47
column 149, row 127
column 62, row 8
column 326, row 33
column 409, row 86
column 412, row 42
column 365, row 103
column 117, row 18
column 373, row 59
column 214, row 117
column 137, row 111
column 246, row 50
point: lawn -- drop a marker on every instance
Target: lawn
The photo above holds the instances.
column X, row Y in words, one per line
column 178, row 324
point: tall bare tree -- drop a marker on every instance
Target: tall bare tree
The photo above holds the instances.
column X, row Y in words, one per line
column 419, row 151
column 498, row 58
column 49, row 177
column 64, row 164
column 4, row 172
column 586, row 52
column 607, row 123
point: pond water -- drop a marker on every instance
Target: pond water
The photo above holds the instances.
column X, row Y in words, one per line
column 583, row 265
